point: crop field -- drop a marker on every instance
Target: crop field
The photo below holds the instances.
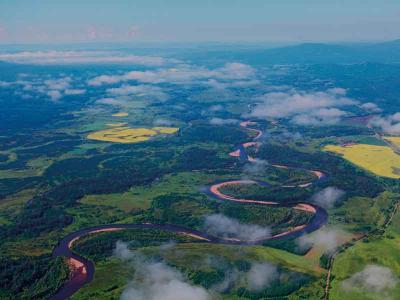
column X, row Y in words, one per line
column 122, row 124
column 393, row 139
column 380, row 160
column 129, row 135
column 120, row 114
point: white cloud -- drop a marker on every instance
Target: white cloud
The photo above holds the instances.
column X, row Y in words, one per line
column 256, row 167
column 326, row 239
column 5, row 83
column 110, row 101
column 104, row 79
column 217, row 107
column 162, row 122
column 316, row 108
column 219, row 121
column 54, row 95
column 58, row 84
column 389, row 124
column 371, row 107
column 156, row 280
column 328, row 197
column 74, row 91
column 373, row 278
column 319, row 117
column 261, row 275
column 183, row 74
column 79, row 57
column 145, row 90
column 223, row 226
column 55, row 88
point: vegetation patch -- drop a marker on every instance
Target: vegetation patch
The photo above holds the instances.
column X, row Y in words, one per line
column 377, row 250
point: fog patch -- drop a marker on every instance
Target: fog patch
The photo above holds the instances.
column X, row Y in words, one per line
column 326, row 239
column 162, row 122
column 219, row 121
column 258, row 277
column 231, row 277
column 373, row 279
column 223, row 226
column 217, row 107
column 255, row 168
column 389, row 124
column 328, row 197
column 261, row 275
column 156, row 280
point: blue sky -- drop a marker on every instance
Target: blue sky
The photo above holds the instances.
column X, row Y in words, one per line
column 65, row 21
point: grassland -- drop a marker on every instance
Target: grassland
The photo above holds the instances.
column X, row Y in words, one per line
column 34, row 167
column 191, row 253
column 141, row 197
column 128, row 135
column 382, row 251
column 380, row 160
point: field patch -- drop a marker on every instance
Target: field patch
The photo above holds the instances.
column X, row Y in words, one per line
column 393, row 139
column 128, row 135
column 120, row 115
column 380, row 160
column 122, row 124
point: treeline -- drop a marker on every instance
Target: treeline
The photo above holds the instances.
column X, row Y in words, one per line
column 267, row 193
column 31, row 277
column 220, row 134
column 101, row 246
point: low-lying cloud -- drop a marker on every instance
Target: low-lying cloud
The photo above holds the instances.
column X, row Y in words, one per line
column 181, row 74
column 261, row 275
column 326, row 239
column 139, row 90
column 256, row 167
column 371, row 107
column 220, row 121
column 302, row 108
column 223, row 226
column 79, row 57
column 328, row 197
column 389, row 124
column 55, row 87
column 373, row 279
column 156, row 280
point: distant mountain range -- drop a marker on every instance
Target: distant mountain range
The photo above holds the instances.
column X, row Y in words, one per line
column 256, row 54
column 309, row 53
column 388, row 52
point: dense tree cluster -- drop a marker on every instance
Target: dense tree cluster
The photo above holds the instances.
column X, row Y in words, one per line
column 31, row 277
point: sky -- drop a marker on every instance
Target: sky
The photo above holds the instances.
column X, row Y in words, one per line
column 77, row 21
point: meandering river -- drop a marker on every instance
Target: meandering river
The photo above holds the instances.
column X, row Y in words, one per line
column 82, row 269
